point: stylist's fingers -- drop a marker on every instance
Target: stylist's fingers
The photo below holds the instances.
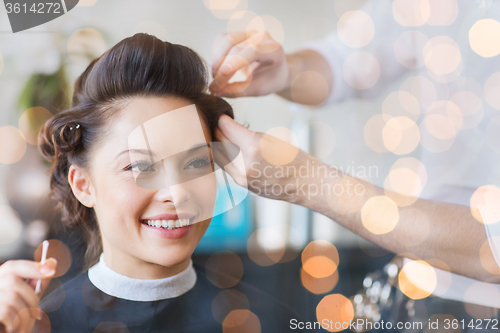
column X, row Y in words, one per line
column 223, row 44
column 238, row 134
column 239, row 57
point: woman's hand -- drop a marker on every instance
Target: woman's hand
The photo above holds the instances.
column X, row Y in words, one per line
column 18, row 301
column 257, row 56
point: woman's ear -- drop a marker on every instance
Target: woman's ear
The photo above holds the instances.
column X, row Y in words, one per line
column 81, row 186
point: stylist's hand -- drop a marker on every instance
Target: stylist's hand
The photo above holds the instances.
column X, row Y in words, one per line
column 18, row 301
column 257, row 55
column 264, row 156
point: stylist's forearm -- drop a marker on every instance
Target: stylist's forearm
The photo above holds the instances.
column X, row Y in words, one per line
column 310, row 78
column 451, row 233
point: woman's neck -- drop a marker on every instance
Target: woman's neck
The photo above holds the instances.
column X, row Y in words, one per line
column 131, row 266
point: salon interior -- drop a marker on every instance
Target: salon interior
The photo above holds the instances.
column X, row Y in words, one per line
column 298, row 256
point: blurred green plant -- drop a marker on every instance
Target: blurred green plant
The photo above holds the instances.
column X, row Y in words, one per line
column 50, row 91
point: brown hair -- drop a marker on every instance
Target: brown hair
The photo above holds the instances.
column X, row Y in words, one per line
column 141, row 65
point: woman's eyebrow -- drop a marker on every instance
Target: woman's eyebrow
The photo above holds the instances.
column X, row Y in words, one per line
column 140, row 151
column 151, row 154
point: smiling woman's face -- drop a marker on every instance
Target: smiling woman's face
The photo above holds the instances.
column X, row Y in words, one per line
column 168, row 186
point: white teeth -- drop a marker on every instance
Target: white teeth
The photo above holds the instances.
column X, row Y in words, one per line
column 168, row 224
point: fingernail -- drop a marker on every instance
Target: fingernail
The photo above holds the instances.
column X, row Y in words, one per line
column 226, row 69
column 46, row 270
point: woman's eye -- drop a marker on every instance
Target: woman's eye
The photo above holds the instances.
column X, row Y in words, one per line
column 142, row 167
column 198, row 163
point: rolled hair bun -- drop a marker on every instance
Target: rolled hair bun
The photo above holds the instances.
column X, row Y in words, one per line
column 138, row 66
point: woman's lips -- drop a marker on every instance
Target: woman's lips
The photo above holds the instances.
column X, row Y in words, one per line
column 169, row 225
column 168, row 233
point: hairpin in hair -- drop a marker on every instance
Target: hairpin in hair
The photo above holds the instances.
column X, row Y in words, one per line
column 77, row 127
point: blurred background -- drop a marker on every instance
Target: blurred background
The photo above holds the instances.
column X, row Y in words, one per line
column 261, row 241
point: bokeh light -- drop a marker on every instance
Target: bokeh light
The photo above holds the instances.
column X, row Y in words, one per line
column 355, row 29
column 265, row 246
column 224, row 9
column 492, row 90
column 320, row 258
column 411, row 13
column 241, row 321
column 408, row 48
column 401, row 135
column 36, row 232
column 10, row 225
column 60, row 252
column 487, row 293
column 479, row 311
column 373, row 133
column 486, row 256
column 442, row 55
column 265, row 24
column 227, row 301
column 471, row 107
column 401, row 104
column 309, row 79
column 319, row 285
column 30, row 122
column 422, row 88
column 337, row 310
column 224, row 269
column 444, row 277
column 442, row 12
column 152, row 28
column 492, row 134
column 12, row 145
column 254, row 27
column 485, row 204
column 441, row 124
column 379, row 215
column 484, row 36
column 417, row 279
column 319, row 267
column 407, row 177
column 282, row 150
column 361, row 70
column 84, row 45
column 41, row 326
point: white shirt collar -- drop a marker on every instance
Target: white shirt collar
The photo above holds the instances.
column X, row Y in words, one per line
column 121, row 286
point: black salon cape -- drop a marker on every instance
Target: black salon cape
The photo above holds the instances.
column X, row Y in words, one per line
column 84, row 307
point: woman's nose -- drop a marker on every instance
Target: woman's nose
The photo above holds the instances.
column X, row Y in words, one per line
column 173, row 190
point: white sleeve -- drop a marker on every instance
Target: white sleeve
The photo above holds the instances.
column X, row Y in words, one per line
column 358, row 73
